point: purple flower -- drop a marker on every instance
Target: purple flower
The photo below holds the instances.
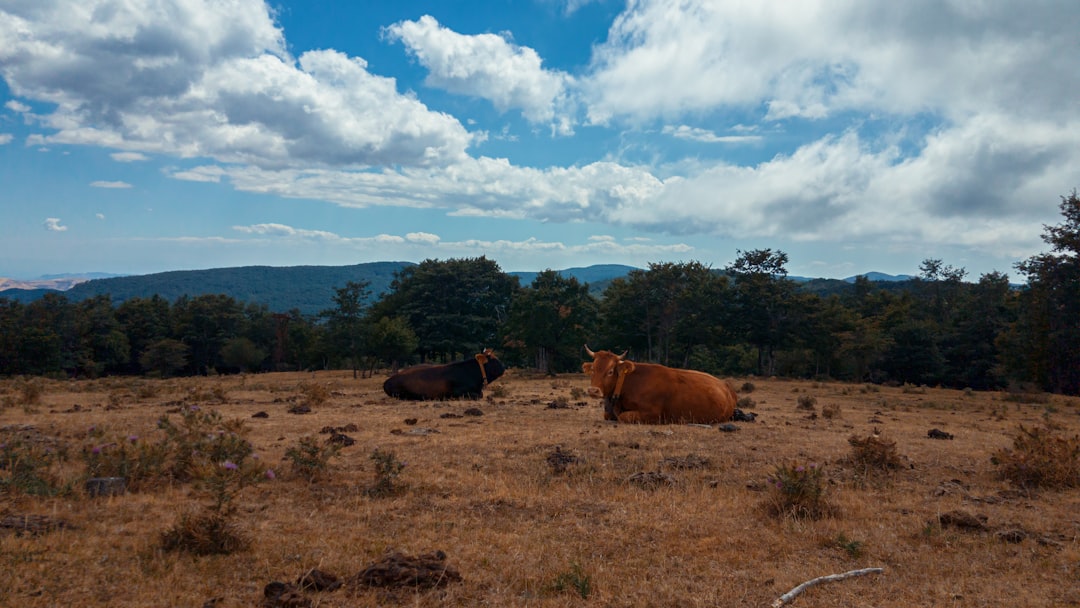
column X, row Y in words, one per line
column 270, row 474
column 194, row 408
column 799, row 469
column 230, row 465
column 96, row 450
column 133, row 438
column 254, row 456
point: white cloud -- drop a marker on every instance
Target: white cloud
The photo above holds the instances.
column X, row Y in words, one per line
column 202, row 78
column 5, row 138
column 99, row 216
column 489, row 66
column 707, row 136
column 817, row 57
column 128, row 157
column 52, row 224
column 113, row 185
column 15, row 106
column 422, row 237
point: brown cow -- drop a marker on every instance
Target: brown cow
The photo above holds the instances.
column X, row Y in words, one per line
column 647, row 393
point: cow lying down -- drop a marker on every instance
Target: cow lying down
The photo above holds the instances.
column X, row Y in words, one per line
column 648, row 393
column 459, row 380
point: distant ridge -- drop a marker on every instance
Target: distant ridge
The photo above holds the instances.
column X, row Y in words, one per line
column 310, row 289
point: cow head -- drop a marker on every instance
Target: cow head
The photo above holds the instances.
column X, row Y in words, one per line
column 490, row 367
column 607, row 370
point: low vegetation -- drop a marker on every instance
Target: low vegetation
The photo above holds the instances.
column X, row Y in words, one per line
column 230, row 500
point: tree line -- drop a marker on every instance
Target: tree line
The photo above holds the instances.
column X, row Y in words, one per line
column 746, row 318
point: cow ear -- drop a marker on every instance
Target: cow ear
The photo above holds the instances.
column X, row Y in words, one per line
column 586, row 367
column 481, row 358
column 626, row 366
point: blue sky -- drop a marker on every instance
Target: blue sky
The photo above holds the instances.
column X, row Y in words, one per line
column 859, row 135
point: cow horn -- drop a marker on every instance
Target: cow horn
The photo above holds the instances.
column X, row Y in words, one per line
column 623, row 355
column 591, row 353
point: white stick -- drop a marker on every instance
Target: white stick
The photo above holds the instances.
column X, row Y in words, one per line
column 790, row 595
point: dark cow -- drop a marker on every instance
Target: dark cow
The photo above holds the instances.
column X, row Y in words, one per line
column 647, row 393
column 458, row 380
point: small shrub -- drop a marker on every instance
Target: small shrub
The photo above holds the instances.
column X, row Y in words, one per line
column 498, row 391
column 870, row 388
column 1040, row 458
column 807, row 402
column 575, row 580
column 853, row 548
column 138, row 461
column 911, row 389
column 577, row 393
column 745, row 403
column 204, row 532
column 797, row 490
column 311, row 459
column 874, row 452
column 747, row 387
column 203, row 437
column 314, row 394
column 830, row 411
column 387, row 469
column 30, row 390
column 26, row 466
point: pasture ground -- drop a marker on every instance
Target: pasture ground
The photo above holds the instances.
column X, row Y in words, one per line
column 536, row 501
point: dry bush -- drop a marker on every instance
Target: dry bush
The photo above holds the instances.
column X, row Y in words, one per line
column 309, row 459
column 1040, row 458
column 313, row 393
column 874, row 453
column 807, row 402
column 797, row 490
column 830, row 411
column 747, row 387
column 204, row 532
column 745, row 403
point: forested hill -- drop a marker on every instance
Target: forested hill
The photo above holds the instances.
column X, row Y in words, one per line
column 307, row 288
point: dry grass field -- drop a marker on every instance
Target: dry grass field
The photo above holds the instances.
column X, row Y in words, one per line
column 534, row 500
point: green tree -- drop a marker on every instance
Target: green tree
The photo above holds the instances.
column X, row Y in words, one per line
column 242, row 354
column 667, row 312
column 553, row 318
column 454, row 306
column 104, row 346
column 346, row 324
column 1049, row 328
column 143, row 321
column 391, row 341
column 763, row 309
column 204, row 323
column 165, row 357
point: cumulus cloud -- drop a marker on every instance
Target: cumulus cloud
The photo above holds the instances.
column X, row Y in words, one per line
column 811, row 59
column 489, row 66
column 52, row 224
column 201, row 78
column 99, row 216
column 113, row 185
column 5, row 138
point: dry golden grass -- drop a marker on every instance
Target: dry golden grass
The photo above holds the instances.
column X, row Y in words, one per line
column 539, row 506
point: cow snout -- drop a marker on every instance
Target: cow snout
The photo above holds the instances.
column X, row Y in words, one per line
column 595, row 392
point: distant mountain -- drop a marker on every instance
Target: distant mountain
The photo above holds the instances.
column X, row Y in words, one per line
column 310, row 289
column 880, row 276
column 593, row 275
column 307, row 288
